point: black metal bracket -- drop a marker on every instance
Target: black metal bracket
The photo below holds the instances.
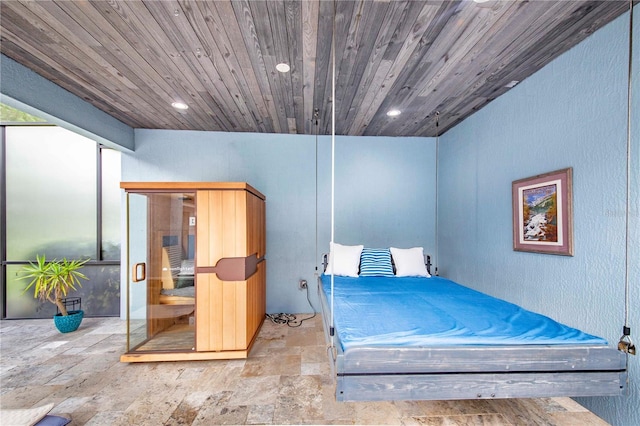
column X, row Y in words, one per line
column 74, row 302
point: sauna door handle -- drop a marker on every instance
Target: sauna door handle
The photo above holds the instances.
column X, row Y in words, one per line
column 139, row 272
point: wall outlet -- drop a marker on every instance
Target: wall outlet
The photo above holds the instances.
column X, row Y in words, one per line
column 302, row 284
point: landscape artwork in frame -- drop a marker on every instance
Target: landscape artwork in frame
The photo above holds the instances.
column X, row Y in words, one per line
column 542, row 216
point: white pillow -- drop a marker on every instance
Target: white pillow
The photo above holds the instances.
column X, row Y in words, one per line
column 409, row 262
column 345, row 260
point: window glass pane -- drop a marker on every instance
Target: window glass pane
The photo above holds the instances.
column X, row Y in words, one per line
column 2, row 275
column 51, row 193
column 24, row 305
column 11, row 115
column 100, row 294
column 110, row 204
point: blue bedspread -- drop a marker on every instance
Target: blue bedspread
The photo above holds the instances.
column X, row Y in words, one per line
column 394, row 311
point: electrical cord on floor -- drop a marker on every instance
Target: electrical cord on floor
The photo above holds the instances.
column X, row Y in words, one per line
column 290, row 319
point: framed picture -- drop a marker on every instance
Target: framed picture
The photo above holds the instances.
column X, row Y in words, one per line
column 542, row 216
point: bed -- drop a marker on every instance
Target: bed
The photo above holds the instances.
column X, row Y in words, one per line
column 428, row 338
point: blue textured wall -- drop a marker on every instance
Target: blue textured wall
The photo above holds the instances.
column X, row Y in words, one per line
column 24, row 89
column 572, row 113
column 384, row 190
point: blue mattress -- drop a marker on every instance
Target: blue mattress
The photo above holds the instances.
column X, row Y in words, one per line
column 395, row 311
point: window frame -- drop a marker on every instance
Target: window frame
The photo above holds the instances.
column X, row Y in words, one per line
column 98, row 257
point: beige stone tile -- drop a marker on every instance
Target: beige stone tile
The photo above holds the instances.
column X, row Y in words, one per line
column 260, row 414
column 223, row 376
column 272, row 366
column 184, row 414
column 522, row 411
column 272, row 331
column 216, row 411
column 154, row 405
column 189, row 374
column 576, row 419
column 445, row 408
column 314, row 354
column 282, row 350
column 226, row 416
column 459, row 420
column 69, row 405
column 336, row 411
column 299, row 400
column 570, row 405
column 255, row 391
column 313, row 369
column 26, row 396
column 286, row 380
column 304, row 337
column 81, row 417
column 106, row 418
column 377, row 413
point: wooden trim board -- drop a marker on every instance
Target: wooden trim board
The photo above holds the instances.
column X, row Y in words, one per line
column 189, row 186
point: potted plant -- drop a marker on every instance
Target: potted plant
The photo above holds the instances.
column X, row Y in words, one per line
column 52, row 281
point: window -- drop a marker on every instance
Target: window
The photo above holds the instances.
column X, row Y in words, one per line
column 61, row 199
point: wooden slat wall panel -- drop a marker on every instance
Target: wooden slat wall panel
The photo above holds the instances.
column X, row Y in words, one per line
column 390, row 67
column 130, row 39
column 206, row 240
column 361, row 42
column 29, row 36
column 242, row 225
column 230, row 223
column 133, row 58
column 208, row 313
column 256, row 226
column 225, row 227
column 256, row 301
column 310, row 12
column 222, row 22
column 228, row 315
column 343, row 14
column 394, row 28
column 202, row 75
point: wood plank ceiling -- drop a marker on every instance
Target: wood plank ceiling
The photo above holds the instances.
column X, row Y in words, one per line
column 132, row 59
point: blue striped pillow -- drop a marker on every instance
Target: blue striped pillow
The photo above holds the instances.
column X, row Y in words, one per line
column 376, row 263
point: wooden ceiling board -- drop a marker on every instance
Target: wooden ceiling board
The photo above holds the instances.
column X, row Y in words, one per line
column 132, row 59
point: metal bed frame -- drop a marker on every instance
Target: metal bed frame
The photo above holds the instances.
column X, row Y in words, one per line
column 378, row 373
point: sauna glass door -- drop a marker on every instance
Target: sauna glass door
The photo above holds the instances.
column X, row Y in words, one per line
column 161, row 284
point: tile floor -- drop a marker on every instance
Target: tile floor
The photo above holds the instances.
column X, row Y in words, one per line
column 286, row 380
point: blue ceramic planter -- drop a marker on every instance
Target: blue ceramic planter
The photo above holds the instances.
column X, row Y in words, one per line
column 69, row 323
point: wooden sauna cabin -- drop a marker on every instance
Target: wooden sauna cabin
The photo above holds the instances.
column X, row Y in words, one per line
column 196, row 286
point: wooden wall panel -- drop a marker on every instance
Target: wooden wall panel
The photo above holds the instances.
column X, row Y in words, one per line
column 229, row 313
column 256, row 240
column 203, row 244
column 256, row 300
column 240, row 219
column 209, row 312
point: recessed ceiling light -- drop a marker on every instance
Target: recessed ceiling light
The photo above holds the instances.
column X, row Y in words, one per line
column 394, row 112
column 511, row 84
column 480, row 1
column 282, row 67
column 180, row 105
